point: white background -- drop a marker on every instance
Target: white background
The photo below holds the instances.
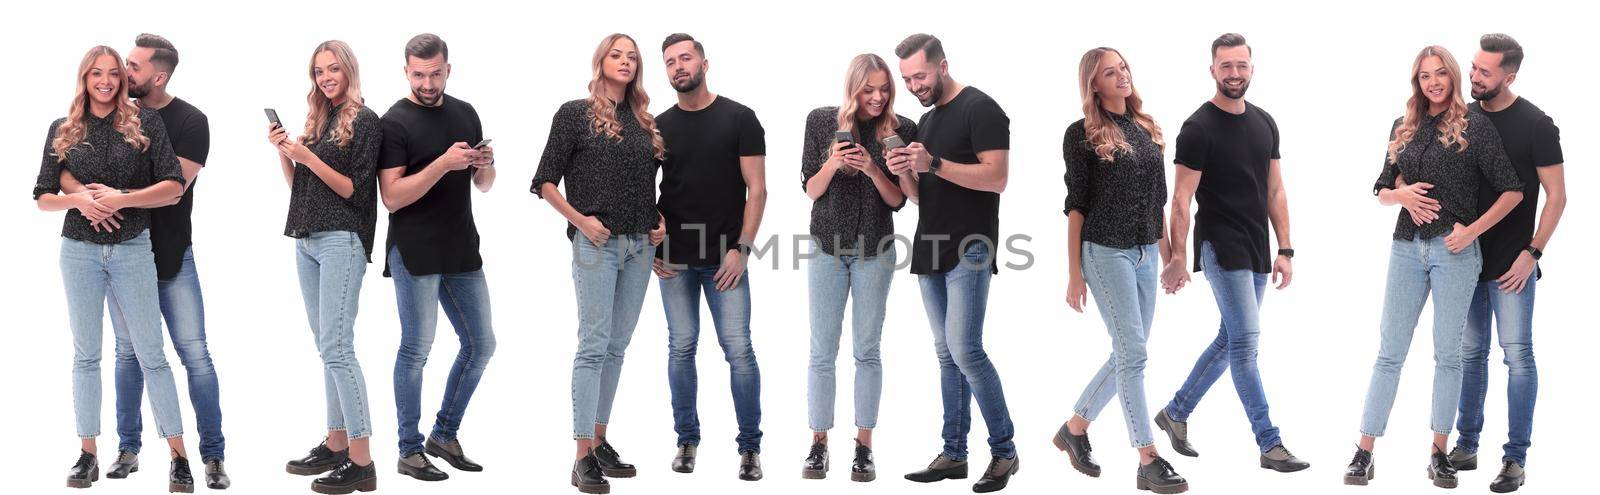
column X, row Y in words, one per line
column 1334, row 76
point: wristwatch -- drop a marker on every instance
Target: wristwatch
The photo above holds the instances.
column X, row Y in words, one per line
column 743, row 248
column 123, row 190
column 1535, row 252
column 935, row 164
column 1286, row 252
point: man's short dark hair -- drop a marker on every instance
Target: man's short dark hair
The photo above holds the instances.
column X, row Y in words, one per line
column 921, row 42
column 1230, row 40
column 425, row 46
column 1506, row 46
column 675, row 38
column 165, row 56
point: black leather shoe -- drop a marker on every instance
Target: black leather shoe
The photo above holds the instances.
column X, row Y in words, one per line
column 417, row 466
column 611, row 462
column 1440, row 470
column 1279, row 459
column 127, row 463
column 84, row 472
column 179, row 479
column 1077, row 449
column 997, row 475
column 1177, row 432
column 684, row 461
column 346, row 478
column 216, row 477
column 587, row 477
column 750, row 465
column 942, row 468
column 320, row 460
column 1361, row 468
column 862, row 468
column 1510, row 478
column 1158, row 476
column 1460, row 458
column 450, row 452
column 816, row 466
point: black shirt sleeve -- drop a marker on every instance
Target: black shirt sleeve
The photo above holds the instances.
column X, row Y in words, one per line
column 558, row 150
column 393, row 152
column 1193, row 146
column 817, row 144
column 158, row 153
column 49, row 181
column 1077, row 175
column 1546, row 143
column 196, row 143
column 1276, row 141
column 990, row 127
column 1391, row 170
column 752, row 138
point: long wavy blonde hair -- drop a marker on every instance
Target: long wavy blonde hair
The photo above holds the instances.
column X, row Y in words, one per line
column 1453, row 124
column 605, row 121
column 72, row 131
column 1102, row 133
column 319, row 105
column 855, row 82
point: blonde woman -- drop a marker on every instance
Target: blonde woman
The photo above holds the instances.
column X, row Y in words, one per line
column 121, row 153
column 332, row 213
column 606, row 147
column 1116, row 187
column 1439, row 154
column 853, row 197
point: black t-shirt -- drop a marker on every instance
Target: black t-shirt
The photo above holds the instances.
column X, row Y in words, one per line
column 1531, row 139
column 949, row 214
column 1234, row 154
column 170, row 226
column 435, row 234
column 702, row 188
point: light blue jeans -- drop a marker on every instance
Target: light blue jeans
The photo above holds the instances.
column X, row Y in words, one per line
column 833, row 280
column 1123, row 282
column 124, row 276
column 1417, row 268
column 186, row 324
column 331, row 265
column 610, row 282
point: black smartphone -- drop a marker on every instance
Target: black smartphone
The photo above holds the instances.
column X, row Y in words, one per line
column 842, row 136
column 272, row 116
column 893, row 142
column 481, row 144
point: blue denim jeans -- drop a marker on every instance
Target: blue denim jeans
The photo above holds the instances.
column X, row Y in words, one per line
column 956, row 301
column 1417, row 268
column 730, row 314
column 331, row 265
column 610, row 282
column 122, row 276
column 1512, row 315
column 834, row 280
column 465, row 298
column 186, row 325
column 1123, row 282
column 1239, row 294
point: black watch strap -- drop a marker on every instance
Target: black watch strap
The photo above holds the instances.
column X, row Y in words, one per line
column 743, row 248
column 1535, row 252
column 1286, row 252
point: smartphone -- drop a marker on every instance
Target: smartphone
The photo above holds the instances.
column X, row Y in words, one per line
column 893, row 142
column 843, row 137
column 481, row 144
column 272, row 116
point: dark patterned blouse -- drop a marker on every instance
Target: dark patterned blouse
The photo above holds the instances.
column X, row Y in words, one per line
column 104, row 158
column 612, row 180
column 314, row 207
column 1120, row 200
column 1454, row 173
column 850, row 218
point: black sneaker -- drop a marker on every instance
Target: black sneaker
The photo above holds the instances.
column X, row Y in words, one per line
column 179, row 479
column 216, row 477
column 1463, row 460
column 346, row 478
column 587, row 477
column 1440, row 470
column 1510, row 479
column 320, row 460
column 84, row 472
column 942, row 468
column 997, row 475
column 862, row 468
column 1158, row 476
column 816, row 465
column 420, row 468
column 1279, row 459
column 1077, row 449
column 1361, row 469
column 611, row 462
column 126, row 463
column 750, row 465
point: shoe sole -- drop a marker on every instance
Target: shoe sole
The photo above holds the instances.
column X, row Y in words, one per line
column 750, row 478
column 304, row 471
column 1442, row 482
column 436, row 452
column 113, row 474
column 1141, row 484
column 1372, row 474
column 950, row 474
column 686, row 470
column 1165, row 425
column 414, row 476
column 1513, row 488
column 363, row 486
column 180, row 488
column 814, row 474
column 863, row 477
column 1061, row 443
column 1289, row 469
column 619, row 473
column 94, row 475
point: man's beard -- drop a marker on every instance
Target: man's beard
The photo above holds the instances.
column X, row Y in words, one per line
column 425, row 101
column 692, row 83
column 1487, row 94
column 1232, row 93
column 935, row 93
column 137, row 91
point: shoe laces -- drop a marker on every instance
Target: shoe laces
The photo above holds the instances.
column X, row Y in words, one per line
column 1362, row 457
column 685, row 450
column 994, row 464
column 85, row 460
column 749, row 458
column 126, row 456
column 605, row 449
column 818, row 449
